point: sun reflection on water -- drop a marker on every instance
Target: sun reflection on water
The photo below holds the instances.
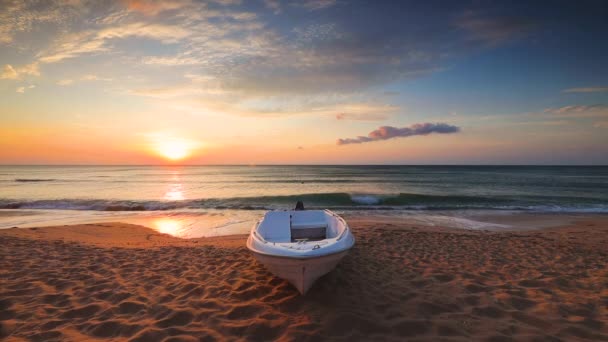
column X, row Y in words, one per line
column 175, row 191
column 167, row 226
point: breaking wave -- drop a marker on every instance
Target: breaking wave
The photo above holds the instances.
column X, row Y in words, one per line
column 341, row 201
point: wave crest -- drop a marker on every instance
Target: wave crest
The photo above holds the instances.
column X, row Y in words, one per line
column 340, row 201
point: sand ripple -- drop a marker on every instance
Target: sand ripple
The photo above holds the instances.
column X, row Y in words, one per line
column 398, row 282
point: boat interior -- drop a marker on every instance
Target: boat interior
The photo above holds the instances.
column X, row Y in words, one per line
column 299, row 225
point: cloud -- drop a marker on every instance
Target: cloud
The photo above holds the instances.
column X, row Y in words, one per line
column 17, row 17
column 314, row 5
column 73, row 45
column 90, row 42
column 153, row 7
column 22, row 90
column 29, row 69
column 161, row 32
column 361, row 116
column 317, row 32
column 168, row 92
column 574, row 108
column 64, row 82
column 185, row 10
column 172, row 61
column 492, row 30
column 337, row 57
column 228, row 2
column 579, row 111
column 205, row 94
column 89, row 77
column 389, row 132
column 13, row 73
column 257, row 58
column 202, row 34
column 586, row 90
column 366, row 112
column 341, row 107
column 92, row 77
column 273, row 5
column 255, row 61
column 9, row 73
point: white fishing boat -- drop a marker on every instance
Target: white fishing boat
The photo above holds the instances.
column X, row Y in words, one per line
column 300, row 245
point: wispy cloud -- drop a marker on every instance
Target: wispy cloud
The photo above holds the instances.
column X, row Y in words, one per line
column 579, row 111
column 91, row 42
column 17, row 17
column 167, row 92
column 172, row 61
column 314, row 5
column 389, row 132
column 22, row 89
column 88, row 77
column 586, row 90
column 152, row 7
column 13, row 73
column 71, row 46
column 8, row 72
column 492, row 30
column 228, row 2
column 93, row 77
column 250, row 57
column 65, row 82
column 362, row 116
column 160, row 32
column 366, row 112
column 254, row 66
column 273, row 5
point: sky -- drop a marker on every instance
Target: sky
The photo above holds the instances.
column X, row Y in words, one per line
column 303, row 82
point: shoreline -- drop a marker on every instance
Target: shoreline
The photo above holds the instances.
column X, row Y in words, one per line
column 209, row 223
column 401, row 280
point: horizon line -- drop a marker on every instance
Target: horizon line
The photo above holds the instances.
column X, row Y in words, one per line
column 254, row 165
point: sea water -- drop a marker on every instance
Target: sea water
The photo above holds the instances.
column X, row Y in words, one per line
column 218, row 200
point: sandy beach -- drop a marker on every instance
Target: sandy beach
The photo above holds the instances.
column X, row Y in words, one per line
column 401, row 281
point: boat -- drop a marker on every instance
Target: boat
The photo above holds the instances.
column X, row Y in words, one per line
column 300, row 245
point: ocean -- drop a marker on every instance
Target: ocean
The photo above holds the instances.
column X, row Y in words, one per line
column 224, row 197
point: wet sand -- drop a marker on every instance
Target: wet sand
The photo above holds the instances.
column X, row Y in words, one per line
column 400, row 281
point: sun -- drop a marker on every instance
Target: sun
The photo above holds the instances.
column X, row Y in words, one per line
column 174, row 149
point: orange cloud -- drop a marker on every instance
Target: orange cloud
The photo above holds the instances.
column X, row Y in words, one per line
column 153, row 7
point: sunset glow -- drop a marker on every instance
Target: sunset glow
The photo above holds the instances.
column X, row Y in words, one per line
column 174, row 150
column 302, row 82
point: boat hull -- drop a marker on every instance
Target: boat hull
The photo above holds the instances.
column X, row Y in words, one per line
column 301, row 273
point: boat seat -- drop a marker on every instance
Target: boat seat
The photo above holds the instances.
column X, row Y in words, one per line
column 275, row 227
column 309, row 234
column 307, row 219
column 308, row 225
